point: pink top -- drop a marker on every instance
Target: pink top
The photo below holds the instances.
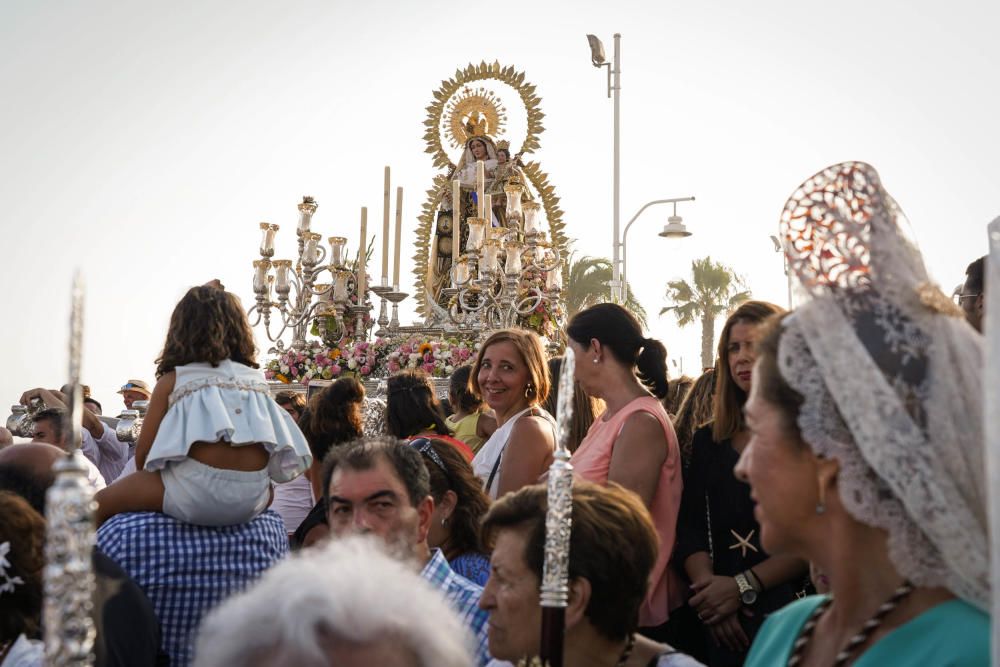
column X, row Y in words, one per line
column 592, row 460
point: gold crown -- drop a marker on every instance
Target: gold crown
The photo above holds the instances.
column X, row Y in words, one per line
column 503, row 145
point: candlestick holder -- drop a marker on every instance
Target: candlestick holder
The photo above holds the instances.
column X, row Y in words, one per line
column 358, row 313
column 395, row 297
column 383, row 314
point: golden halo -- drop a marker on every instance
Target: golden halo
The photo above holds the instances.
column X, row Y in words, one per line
column 479, row 107
column 435, row 122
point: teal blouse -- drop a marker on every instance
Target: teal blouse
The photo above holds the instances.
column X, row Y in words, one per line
column 951, row 634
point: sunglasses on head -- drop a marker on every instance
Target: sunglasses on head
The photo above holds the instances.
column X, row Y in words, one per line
column 425, row 446
column 130, row 385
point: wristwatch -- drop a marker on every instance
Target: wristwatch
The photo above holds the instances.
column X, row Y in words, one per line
column 748, row 595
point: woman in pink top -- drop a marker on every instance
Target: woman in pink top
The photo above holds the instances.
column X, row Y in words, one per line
column 633, row 442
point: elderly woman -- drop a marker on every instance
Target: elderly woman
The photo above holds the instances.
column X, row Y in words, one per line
column 511, row 375
column 346, row 604
column 867, row 448
column 613, row 547
column 459, row 506
column 735, row 582
column 632, row 442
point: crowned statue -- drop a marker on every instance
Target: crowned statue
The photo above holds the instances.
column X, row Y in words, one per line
column 488, row 184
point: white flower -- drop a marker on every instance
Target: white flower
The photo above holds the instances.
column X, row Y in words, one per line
column 415, row 358
column 352, row 364
column 449, row 369
column 284, row 369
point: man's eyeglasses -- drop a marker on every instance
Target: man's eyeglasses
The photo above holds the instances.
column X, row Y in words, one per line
column 957, row 298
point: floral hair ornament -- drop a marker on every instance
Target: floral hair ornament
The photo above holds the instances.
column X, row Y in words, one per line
column 7, row 582
column 890, row 377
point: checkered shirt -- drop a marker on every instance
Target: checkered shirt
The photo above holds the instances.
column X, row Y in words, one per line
column 463, row 596
column 186, row 570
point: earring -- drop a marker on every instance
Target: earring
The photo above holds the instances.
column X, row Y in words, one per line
column 529, row 390
column 821, row 505
column 444, row 522
column 596, row 360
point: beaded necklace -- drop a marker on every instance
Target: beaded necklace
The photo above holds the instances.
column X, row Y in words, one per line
column 857, row 640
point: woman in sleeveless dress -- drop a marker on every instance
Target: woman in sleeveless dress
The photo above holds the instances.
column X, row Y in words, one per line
column 632, row 442
column 511, row 375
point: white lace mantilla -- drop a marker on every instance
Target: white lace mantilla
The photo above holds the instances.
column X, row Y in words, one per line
column 890, row 374
column 222, row 383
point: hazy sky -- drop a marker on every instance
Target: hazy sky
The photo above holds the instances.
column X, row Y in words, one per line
column 143, row 141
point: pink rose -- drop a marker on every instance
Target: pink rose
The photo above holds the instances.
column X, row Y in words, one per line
column 366, row 370
column 294, row 371
column 393, row 367
column 335, row 370
column 429, row 367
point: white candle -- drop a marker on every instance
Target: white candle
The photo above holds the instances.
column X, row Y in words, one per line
column 553, row 279
column 385, row 230
column 513, row 266
column 399, row 235
column 480, row 187
column 475, row 240
column 261, row 267
column 337, row 251
column 281, row 267
column 456, row 219
column 362, row 257
column 267, row 242
column 489, row 211
column 461, row 275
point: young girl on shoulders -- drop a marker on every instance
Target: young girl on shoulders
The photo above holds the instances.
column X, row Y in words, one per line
column 213, row 439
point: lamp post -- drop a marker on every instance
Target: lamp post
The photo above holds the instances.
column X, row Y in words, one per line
column 673, row 229
column 614, row 85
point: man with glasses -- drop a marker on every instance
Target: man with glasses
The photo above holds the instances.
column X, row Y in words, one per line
column 134, row 390
column 970, row 295
column 380, row 486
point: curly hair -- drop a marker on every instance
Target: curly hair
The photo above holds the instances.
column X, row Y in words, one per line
column 411, row 406
column 333, row 416
column 207, row 325
column 24, row 528
column 471, row 504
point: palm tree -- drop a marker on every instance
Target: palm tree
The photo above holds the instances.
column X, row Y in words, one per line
column 716, row 289
column 588, row 280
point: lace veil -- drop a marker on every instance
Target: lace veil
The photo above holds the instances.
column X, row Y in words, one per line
column 890, row 372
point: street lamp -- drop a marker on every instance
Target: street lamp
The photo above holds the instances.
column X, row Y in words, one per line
column 614, row 68
column 673, row 229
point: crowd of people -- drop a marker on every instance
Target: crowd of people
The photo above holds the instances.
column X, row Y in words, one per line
column 816, row 498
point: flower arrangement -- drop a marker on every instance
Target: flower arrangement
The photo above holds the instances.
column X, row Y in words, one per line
column 438, row 358
column 361, row 359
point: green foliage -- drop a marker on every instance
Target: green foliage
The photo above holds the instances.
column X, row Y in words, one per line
column 714, row 289
column 588, row 283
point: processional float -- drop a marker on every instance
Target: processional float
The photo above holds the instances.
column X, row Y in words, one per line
column 490, row 249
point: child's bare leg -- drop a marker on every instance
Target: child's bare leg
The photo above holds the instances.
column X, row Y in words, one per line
column 142, row 491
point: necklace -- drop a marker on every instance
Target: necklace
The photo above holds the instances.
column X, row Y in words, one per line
column 857, row 640
column 626, row 652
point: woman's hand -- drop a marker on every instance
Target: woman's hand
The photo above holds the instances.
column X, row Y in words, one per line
column 729, row 633
column 715, row 598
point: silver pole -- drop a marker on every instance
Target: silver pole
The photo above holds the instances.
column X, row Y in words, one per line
column 991, row 428
column 617, row 87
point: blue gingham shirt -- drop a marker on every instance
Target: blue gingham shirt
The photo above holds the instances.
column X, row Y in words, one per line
column 186, row 570
column 463, row 597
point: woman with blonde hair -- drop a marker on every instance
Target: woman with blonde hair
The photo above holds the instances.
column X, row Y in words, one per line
column 511, row 376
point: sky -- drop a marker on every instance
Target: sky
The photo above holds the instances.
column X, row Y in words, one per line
column 143, row 142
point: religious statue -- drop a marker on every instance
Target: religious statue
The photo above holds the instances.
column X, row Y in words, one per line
column 473, row 118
